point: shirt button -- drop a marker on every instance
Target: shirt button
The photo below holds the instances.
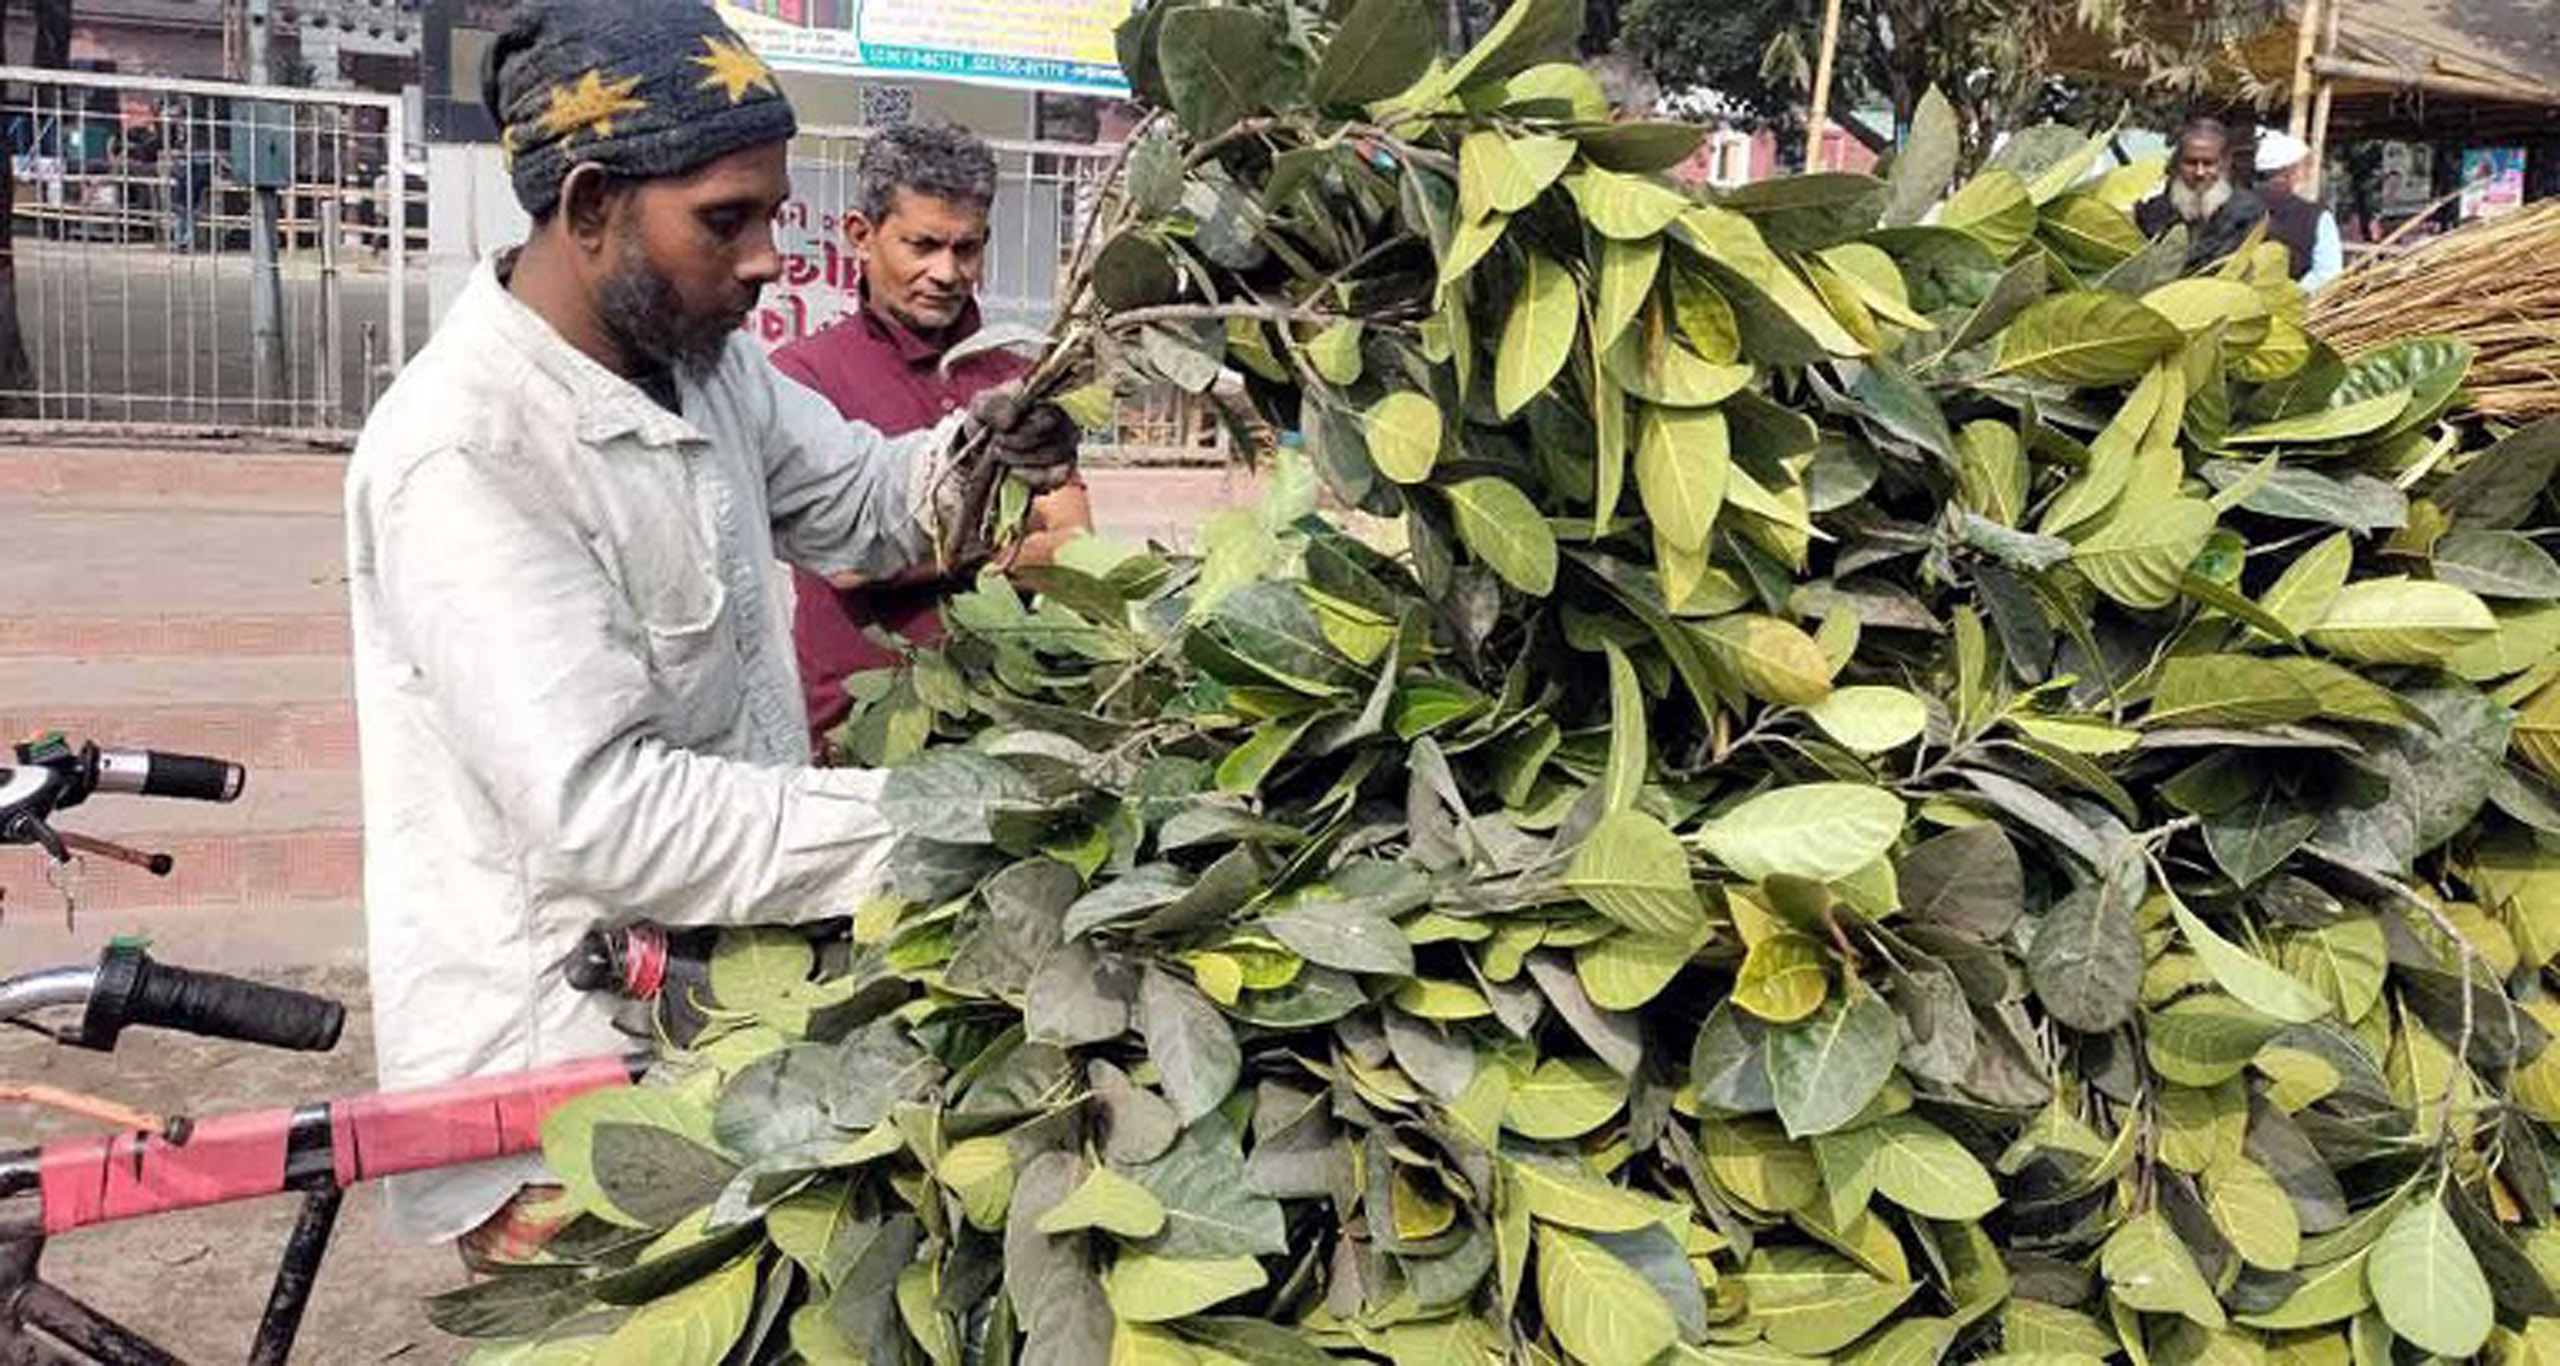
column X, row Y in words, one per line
column 948, row 405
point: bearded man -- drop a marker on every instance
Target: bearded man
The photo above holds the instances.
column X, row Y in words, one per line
column 2217, row 214
column 574, row 679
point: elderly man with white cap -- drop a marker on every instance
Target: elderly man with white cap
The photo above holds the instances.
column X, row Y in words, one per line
column 2307, row 229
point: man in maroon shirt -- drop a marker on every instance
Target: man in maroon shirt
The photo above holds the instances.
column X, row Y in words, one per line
column 918, row 229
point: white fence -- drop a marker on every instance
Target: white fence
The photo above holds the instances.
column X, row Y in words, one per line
column 196, row 255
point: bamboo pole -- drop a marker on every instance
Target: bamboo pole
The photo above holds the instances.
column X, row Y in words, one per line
column 2463, row 87
column 1821, row 115
column 2328, row 86
column 2306, row 40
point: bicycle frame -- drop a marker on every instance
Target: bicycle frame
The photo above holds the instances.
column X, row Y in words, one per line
column 318, row 1150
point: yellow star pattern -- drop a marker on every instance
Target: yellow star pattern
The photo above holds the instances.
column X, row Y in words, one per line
column 590, row 106
column 734, row 69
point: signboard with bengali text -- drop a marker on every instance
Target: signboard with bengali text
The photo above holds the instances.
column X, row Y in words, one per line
column 1054, row 45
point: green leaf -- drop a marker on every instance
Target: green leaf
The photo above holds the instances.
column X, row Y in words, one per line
column 2139, row 556
column 1190, row 1042
column 1598, row 1307
column 1640, row 146
column 2309, row 586
column 2086, row 958
column 1627, row 273
column 1622, row 780
column 1783, row 979
column 1222, row 64
column 1403, row 431
column 1624, row 208
column 2257, row 983
column 1821, row 832
column 1911, row 1342
column 1931, row 152
column 1569, row 1196
column 1969, row 880
column 1107, row 1201
column 2431, row 369
column 2401, row 621
column 1810, row 212
column 2087, row 338
column 1149, row 1289
column 1564, row 1098
column 2427, row 1283
column 1211, row 1208
column 1683, row 459
column 2205, row 1040
column 1505, row 530
column 575, row 1143
column 1994, row 209
column 1633, row 870
column 1826, row 1070
column 1342, row 933
column 695, row 1326
column 955, row 796
column 1537, row 335
column 2497, row 564
column 2328, row 1294
column 2504, row 483
column 2255, row 1214
column 1870, row 719
column 2361, row 418
column 1382, row 48
column 2149, row 1268
column 1498, row 174
column 2357, row 502
column 1919, row 1167
column 1814, row 1303
column 1774, row 660
column 1334, row 352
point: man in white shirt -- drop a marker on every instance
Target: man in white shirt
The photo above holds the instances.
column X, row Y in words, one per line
column 2306, row 227
column 574, row 682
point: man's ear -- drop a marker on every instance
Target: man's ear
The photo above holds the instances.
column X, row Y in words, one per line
column 589, row 197
column 857, row 231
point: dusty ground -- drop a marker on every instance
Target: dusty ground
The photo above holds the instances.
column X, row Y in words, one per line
column 196, row 1282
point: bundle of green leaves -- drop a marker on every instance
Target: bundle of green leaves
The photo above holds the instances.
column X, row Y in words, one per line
column 1886, row 779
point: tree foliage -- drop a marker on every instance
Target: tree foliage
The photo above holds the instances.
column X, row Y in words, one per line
column 1993, row 61
column 1880, row 778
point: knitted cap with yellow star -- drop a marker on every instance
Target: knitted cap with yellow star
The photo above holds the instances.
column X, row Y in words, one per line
column 642, row 88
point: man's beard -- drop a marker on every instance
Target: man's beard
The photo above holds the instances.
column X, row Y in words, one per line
column 648, row 318
column 2196, row 205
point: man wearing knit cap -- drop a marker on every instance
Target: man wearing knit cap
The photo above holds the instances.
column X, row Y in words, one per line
column 2305, row 226
column 574, row 681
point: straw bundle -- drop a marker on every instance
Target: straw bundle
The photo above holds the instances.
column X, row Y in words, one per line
column 2495, row 285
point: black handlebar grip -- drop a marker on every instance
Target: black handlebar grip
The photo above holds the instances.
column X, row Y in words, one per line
column 193, row 777
column 133, row 990
column 158, row 773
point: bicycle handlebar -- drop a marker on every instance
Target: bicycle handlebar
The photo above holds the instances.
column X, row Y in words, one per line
column 131, row 989
column 159, row 773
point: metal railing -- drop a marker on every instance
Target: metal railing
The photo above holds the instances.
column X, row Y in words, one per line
column 199, row 255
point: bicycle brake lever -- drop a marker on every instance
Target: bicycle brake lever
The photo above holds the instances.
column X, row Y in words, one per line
column 25, row 828
column 157, row 865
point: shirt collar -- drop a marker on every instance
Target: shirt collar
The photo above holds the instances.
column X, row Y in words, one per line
column 911, row 346
column 609, row 406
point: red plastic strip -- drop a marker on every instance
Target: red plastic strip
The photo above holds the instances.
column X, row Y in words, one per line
column 232, row 1157
column 470, row 1120
column 644, row 973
